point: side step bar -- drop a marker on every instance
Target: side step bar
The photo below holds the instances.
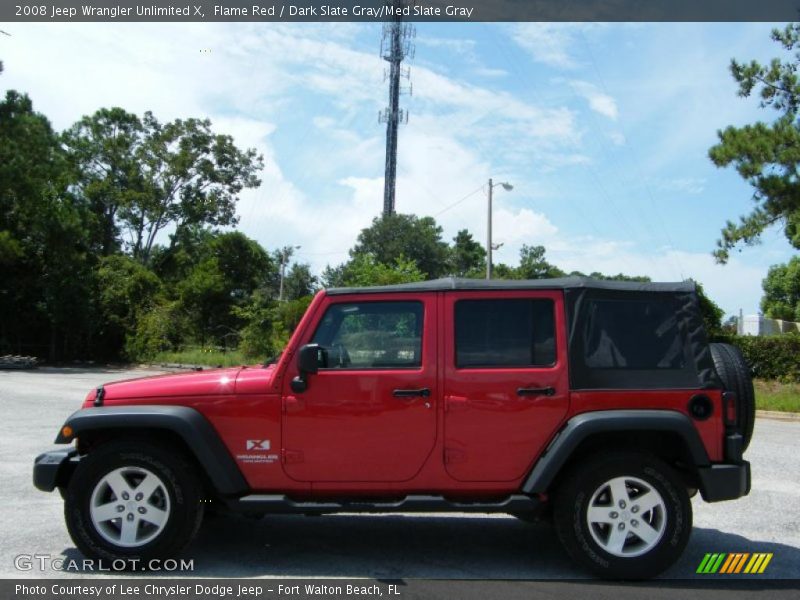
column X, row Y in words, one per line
column 278, row 503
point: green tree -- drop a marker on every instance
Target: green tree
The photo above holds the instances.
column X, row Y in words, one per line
column 782, row 291
column 257, row 338
column 364, row 270
column 467, row 257
column 617, row 277
column 126, row 291
column 413, row 238
column 163, row 328
column 767, row 156
column 299, row 282
column 142, row 176
column 710, row 312
column 103, row 152
column 533, row 264
column 45, row 290
column 233, row 267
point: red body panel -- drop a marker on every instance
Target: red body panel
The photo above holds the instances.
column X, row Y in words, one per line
column 348, row 427
column 710, row 430
column 347, row 434
column 492, row 433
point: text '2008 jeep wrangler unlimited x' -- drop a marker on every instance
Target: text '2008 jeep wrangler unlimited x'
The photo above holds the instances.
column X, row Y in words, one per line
column 599, row 403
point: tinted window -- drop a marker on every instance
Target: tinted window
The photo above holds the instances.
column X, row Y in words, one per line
column 504, row 333
column 372, row 335
column 631, row 334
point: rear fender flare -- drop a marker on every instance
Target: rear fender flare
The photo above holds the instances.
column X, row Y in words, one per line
column 585, row 425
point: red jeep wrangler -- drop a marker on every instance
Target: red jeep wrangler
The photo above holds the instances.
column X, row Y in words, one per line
column 598, row 403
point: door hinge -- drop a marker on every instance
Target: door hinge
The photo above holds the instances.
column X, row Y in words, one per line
column 291, row 456
column 451, row 455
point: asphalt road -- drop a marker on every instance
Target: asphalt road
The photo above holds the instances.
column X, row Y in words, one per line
column 33, row 405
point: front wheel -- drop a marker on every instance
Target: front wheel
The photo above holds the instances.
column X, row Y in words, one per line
column 132, row 501
column 623, row 516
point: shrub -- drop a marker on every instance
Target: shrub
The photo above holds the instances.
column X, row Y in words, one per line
column 770, row 357
column 160, row 329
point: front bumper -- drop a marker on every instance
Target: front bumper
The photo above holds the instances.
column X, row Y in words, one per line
column 724, row 481
column 53, row 469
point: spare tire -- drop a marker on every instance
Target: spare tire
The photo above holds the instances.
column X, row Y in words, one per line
column 734, row 372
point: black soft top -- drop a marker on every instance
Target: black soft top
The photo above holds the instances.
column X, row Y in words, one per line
column 560, row 283
column 621, row 334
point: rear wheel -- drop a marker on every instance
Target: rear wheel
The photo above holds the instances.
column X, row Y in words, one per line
column 734, row 372
column 623, row 516
column 133, row 501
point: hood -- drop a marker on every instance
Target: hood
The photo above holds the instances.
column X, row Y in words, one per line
column 214, row 382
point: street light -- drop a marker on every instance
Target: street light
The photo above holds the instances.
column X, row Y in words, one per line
column 286, row 253
column 489, row 246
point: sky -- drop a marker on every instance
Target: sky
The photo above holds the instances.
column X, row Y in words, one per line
column 603, row 130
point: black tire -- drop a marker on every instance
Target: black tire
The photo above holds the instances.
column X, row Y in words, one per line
column 734, row 372
column 642, row 472
column 180, row 482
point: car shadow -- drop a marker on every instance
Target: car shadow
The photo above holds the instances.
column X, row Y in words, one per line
column 396, row 547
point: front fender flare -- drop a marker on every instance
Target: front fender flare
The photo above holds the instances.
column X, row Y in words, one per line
column 584, row 425
column 192, row 427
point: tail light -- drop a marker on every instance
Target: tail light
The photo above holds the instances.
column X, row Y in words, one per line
column 729, row 408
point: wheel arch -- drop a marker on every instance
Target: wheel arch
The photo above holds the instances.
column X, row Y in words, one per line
column 179, row 426
column 666, row 434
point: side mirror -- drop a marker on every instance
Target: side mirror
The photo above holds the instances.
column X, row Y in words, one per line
column 309, row 359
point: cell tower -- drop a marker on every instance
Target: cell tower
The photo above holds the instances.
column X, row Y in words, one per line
column 396, row 45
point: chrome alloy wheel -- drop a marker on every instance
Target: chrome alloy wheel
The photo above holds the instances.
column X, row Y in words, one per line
column 129, row 506
column 626, row 516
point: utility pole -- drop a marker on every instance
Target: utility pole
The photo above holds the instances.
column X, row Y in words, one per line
column 285, row 254
column 489, row 246
column 395, row 47
column 489, row 235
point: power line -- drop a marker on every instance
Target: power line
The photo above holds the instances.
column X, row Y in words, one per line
column 640, row 178
column 457, row 202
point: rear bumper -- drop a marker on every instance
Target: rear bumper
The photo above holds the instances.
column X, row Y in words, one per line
column 52, row 469
column 724, row 482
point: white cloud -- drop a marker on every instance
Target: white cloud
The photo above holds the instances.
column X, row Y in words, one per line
column 547, row 43
column 683, row 185
column 617, row 138
column 307, row 100
column 599, row 101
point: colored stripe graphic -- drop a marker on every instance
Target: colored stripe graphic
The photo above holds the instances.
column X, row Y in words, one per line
column 758, row 563
column 711, row 563
column 734, row 563
column 737, row 563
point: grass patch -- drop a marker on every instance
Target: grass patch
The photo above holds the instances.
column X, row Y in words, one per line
column 774, row 395
column 200, row 356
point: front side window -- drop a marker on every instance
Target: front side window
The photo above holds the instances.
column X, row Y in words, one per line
column 505, row 333
column 371, row 335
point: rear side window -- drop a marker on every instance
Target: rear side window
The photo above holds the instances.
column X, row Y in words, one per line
column 632, row 334
column 363, row 335
column 505, row 333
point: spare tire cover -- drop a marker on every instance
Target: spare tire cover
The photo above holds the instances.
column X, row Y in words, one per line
column 734, row 372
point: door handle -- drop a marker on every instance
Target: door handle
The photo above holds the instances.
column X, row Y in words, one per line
column 419, row 393
column 545, row 391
